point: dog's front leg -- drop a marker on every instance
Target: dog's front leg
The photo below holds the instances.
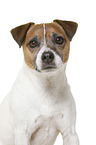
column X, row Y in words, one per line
column 21, row 137
column 70, row 136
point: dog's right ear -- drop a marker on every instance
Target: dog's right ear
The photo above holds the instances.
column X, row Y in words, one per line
column 69, row 27
column 19, row 33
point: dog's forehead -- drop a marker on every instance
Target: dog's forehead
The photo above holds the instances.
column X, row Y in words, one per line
column 54, row 27
column 35, row 30
column 49, row 28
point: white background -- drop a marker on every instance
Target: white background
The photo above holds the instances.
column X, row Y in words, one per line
column 81, row 68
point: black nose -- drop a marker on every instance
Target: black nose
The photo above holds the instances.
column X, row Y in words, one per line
column 47, row 57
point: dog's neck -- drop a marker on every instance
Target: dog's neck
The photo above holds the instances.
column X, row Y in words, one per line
column 53, row 80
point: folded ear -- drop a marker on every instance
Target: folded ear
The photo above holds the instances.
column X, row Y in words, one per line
column 69, row 27
column 19, row 33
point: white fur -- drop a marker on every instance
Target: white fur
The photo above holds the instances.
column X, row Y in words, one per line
column 39, row 102
column 44, row 33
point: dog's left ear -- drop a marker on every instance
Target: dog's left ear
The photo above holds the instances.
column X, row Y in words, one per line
column 69, row 27
column 19, row 33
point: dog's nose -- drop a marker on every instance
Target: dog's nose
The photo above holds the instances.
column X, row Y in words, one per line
column 47, row 57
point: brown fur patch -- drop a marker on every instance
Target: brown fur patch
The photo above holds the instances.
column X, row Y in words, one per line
column 30, row 53
column 63, row 50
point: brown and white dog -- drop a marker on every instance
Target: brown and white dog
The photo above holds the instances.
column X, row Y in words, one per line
column 40, row 103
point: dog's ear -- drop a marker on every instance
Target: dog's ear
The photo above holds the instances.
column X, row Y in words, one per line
column 19, row 33
column 69, row 27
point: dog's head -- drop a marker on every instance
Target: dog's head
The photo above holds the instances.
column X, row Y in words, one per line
column 46, row 46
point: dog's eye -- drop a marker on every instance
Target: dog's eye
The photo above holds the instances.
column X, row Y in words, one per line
column 33, row 44
column 59, row 40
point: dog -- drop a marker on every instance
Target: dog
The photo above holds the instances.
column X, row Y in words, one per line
column 40, row 104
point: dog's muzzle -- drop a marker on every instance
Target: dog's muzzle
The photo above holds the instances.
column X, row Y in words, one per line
column 47, row 60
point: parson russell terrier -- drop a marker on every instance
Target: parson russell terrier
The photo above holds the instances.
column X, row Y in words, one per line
column 40, row 104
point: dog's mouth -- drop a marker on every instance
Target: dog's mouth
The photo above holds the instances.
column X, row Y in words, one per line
column 46, row 68
column 49, row 67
